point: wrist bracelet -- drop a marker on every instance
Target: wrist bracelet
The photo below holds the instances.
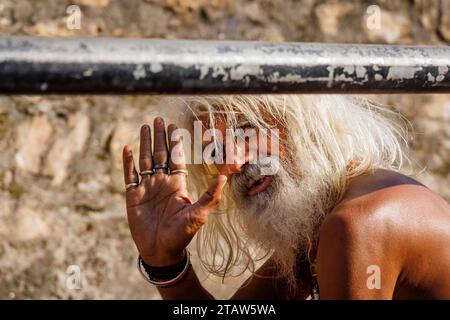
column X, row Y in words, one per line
column 165, row 276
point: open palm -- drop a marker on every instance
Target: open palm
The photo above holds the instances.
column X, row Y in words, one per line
column 161, row 217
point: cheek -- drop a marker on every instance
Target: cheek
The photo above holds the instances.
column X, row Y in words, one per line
column 274, row 148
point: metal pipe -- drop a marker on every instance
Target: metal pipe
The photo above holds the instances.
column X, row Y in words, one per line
column 37, row 65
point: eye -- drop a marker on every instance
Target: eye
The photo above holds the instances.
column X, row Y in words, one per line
column 218, row 149
column 245, row 125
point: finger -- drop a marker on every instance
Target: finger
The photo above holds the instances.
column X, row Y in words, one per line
column 145, row 150
column 176, row 152
column 129, row 171
column 204, row 205
column 212, row 196
column 160, row 153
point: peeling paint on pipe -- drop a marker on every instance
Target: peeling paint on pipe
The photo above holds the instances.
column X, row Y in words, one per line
column 38, row 65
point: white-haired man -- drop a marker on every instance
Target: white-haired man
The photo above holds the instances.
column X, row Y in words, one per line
column 337, row 219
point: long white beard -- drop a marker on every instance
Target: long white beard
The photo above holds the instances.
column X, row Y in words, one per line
column 284, row 218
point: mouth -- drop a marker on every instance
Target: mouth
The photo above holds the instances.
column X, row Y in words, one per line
column 258, row 184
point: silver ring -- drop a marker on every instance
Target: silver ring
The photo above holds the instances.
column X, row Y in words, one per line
column 157, row 166
column 185, row 172
column 146, row 172
column 131, row 185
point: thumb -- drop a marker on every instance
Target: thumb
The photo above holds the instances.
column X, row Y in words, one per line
column 212, row 196
column 207, row 202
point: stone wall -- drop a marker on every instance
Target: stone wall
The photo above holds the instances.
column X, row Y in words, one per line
column 61, row 190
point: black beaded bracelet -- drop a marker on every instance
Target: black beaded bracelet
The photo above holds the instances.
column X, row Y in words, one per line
column 165, row 276
column 165, row 273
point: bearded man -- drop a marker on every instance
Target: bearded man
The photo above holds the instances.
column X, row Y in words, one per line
column 336, row 220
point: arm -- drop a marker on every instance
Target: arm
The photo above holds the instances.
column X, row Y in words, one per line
column 190, row 288
column 263, row 285
column 356, row 249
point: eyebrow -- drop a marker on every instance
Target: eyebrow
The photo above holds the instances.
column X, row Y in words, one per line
column 243, row 122
column 221, row 112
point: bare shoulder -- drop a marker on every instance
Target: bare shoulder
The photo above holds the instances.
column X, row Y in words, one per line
column 388, row 214
column 386, row 202
column 393, row 222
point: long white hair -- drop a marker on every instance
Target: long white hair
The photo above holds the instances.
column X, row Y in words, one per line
column 329, row 138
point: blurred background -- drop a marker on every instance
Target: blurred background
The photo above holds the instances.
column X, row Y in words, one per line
column 62, row 211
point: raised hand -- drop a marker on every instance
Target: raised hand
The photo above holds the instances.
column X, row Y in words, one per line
column 161, row 217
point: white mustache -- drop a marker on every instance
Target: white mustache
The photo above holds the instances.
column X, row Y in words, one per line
column 250, row 174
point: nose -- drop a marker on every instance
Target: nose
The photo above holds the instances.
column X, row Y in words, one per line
column 235, row 158
column 229, row 169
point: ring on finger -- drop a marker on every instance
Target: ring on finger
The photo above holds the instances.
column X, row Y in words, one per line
column 131, row 185
column 177, row 171
column 146, row 172
column 160, row 166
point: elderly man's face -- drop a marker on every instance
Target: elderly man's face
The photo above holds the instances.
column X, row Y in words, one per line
column 243, row 157
column 279, row 211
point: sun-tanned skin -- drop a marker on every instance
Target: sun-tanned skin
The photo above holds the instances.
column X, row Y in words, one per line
column 391, row 221
column 385, row 219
